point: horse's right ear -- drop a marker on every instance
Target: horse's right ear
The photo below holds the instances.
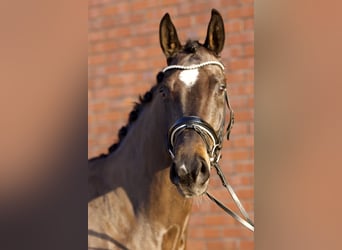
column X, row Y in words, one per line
column 168, row 37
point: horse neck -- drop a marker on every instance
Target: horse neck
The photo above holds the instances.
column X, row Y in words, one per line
column 144, row 159
column 145, row 145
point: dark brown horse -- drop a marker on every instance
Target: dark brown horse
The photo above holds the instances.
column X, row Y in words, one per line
column 140, row 193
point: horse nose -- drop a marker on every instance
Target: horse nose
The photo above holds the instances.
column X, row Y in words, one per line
column 190, row 171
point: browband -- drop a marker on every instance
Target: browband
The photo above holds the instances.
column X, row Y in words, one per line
column 195, row 66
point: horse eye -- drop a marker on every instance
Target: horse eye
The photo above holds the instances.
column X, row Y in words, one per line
column 222, row 87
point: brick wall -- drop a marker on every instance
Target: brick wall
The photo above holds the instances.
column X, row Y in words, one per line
column 124, row 57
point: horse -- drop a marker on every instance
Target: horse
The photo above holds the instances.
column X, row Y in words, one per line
column 140, row 193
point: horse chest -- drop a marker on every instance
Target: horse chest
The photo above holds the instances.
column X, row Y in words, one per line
column 159, row 237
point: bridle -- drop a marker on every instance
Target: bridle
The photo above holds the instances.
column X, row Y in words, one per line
column 213, row 141
column 209, row 136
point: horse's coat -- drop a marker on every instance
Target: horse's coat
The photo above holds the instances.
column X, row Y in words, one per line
column 137, row 194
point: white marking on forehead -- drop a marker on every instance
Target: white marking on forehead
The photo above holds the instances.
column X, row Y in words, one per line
column 189, row 77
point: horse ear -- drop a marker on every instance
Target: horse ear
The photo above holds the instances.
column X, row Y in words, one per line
column 215, row 33
column 168, row 37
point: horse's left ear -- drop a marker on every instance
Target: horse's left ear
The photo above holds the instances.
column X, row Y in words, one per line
column 215, row 33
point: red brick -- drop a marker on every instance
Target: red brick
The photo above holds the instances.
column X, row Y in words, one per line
column 196, row 244
column 244, row 167
column 243, row 181
column 98, row 2
column 197, row 232
column 222, row 244
column 232, row 232
column 250, row 76
column 212, row 232
column 96, row 36
column 93, row 13
column 242, row 102
column 201, row 19
column 247, row 245
column 235, row 77
column 169, row 2
column 241, row 64
column 243, row 141
column 249, row 24
column 251, row 128
column 140, row 5
column 95, row 82
column 239, row 128
column 240, row 38
column 118, row 32
column 245, row 193
column 234, row 26
column 220, row 218
column 248, row 50
column 199, row 7
column 235, row 51
column 110, row 11
column 97, row 59
column 105, row 93
column 183, row 22
column 239, row 154
column 98, row 106
column 104, row 46
column 245, row 11
column 105, row 23
column 241, row 89
column 247, row 115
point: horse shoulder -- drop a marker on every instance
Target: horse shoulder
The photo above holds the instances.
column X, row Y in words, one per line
column 110, row 219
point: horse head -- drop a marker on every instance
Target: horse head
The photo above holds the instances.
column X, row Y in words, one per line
column 193, row 87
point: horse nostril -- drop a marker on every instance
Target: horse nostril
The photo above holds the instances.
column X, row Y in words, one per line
column 204, row 170
column 196, row 172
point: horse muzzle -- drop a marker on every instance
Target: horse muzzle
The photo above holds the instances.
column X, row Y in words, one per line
column 190, row 174
column 192, row 155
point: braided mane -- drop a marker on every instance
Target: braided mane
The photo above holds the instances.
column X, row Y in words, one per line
column 132, row 117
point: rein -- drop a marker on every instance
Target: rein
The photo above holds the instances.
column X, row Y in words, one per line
column 210, row 137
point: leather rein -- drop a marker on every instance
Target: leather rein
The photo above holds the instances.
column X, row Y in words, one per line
column 213, row 142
